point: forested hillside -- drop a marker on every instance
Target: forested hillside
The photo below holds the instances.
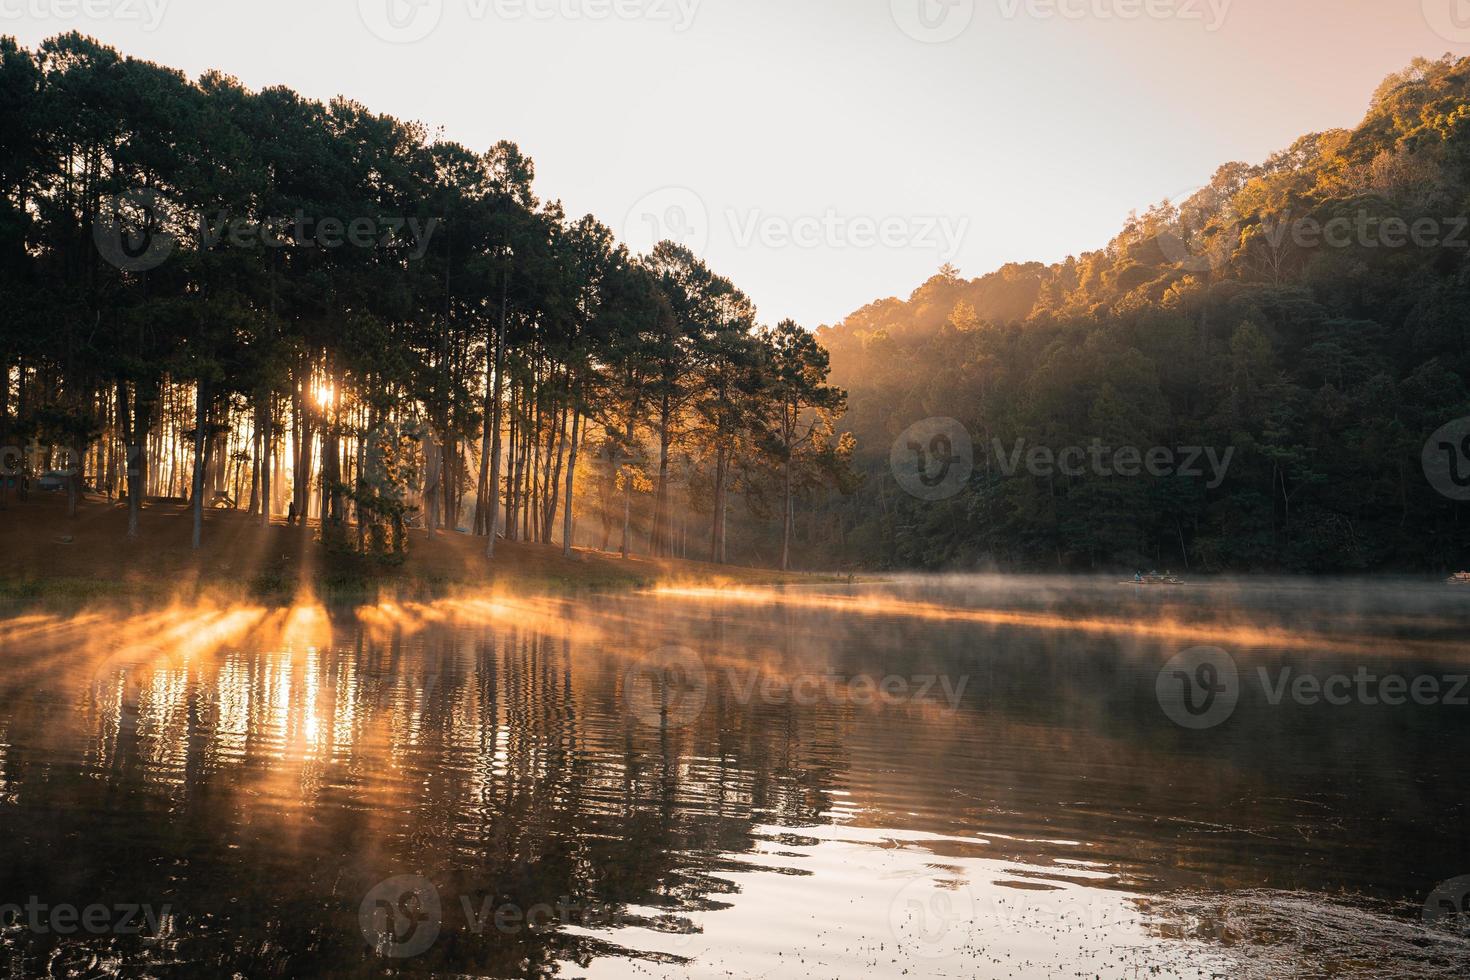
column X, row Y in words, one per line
column 263, row 302
column 1309, row 312
column 266, row 303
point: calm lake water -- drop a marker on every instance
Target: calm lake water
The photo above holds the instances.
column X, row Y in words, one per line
column 951, row 777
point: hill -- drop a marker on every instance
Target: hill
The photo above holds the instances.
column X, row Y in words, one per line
column 1304, row 317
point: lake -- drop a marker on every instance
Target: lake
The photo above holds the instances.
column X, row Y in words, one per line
column 947, row 777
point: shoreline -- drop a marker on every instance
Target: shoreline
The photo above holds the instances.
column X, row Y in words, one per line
column 52, row 557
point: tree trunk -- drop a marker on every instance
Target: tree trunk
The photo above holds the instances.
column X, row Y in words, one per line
column 627, row 516
column 482, row 494
column 255, row 463
column 717, row 522
column 566, row 521
column 301, row 457
column 267, row 456
column 513, row 491
column 493, row 516
column 130, row 473
column 627, row 493
column 554, row 482
column 144, row 398
column 431, row 484
column 786, row 523
column 662, row 542
column 73, row 479
column 201, row 396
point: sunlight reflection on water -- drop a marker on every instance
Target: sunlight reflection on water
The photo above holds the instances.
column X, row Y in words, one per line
column 937, row 777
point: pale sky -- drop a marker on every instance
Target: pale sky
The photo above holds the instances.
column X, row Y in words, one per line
column 821, row 153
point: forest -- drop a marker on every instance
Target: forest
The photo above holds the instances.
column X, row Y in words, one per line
column 256, row 302
column 1308, row 313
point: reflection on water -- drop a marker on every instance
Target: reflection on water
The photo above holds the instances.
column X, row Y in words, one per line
column 932, row 777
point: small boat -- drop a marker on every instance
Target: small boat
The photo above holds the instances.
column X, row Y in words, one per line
column 1154, row 578
column 1459, row 578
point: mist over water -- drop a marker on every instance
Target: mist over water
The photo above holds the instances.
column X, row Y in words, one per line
column 933, row 776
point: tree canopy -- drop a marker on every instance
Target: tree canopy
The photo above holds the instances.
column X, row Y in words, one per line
column 1308, row 313
column 257, row 301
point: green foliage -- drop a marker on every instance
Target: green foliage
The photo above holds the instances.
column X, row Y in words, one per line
column 174, row 248
column 1217, row 321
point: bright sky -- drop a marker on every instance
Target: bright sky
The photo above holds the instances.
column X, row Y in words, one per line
column 821, row 153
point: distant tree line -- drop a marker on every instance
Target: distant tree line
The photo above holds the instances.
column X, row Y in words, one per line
column 1310, row 314
column 257, row 301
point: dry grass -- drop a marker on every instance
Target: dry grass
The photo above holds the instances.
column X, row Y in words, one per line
column 48, row 554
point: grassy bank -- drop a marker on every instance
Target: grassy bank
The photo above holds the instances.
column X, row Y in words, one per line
column 49, row 555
